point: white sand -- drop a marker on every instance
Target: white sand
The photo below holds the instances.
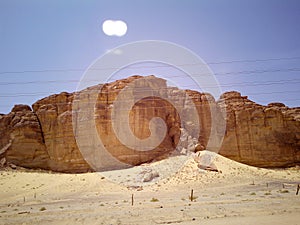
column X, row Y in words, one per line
column 239, row 195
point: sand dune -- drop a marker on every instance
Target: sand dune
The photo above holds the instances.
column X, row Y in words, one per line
column 238, row 194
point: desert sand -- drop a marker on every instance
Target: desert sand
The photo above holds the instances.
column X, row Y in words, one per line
column 237, row 194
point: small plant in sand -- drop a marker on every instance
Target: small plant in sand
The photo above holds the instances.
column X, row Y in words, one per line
column 284, row 191
column 268, row 193
column 42, row 209
column 252, row 193
column 154, row 200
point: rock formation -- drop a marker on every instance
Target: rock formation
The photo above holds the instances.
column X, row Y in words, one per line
column 43, row 137
column 21, row 139
column 264, row 136
column 55, row 116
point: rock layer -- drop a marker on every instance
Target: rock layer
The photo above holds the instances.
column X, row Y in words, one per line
column 265, row 136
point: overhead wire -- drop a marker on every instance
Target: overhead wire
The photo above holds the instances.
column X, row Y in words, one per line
column 252, row 83
column 245, row 72
column 156, row 66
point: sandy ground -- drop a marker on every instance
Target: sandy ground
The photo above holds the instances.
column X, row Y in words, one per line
column 239, row 195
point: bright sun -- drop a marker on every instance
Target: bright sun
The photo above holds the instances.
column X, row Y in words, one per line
column 114, row 28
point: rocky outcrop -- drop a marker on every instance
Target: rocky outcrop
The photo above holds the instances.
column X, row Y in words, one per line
column 55, row 116
column 266, row 136
column 140, row 115
column 22, row 141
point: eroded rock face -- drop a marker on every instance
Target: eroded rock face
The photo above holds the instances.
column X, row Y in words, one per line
column 143, row 110
column 22, row 141
column 55, row 116
column 266, row 136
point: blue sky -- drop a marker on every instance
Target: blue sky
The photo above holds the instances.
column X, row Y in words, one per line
column 50, row 43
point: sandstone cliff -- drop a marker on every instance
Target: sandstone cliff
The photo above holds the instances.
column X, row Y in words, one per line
column 21, row 139
column 266, row 136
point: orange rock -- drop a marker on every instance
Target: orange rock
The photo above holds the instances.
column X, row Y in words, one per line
column 265, row 136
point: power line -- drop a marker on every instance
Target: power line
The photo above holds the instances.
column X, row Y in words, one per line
column 157, row 66
column 245, row 72
column 259, row 71
column 255, row 83
column 273, row 92
column 42, row 71
column 39, row 82
column 255, row 60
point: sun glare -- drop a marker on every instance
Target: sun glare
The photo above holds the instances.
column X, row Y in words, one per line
column 114, row 27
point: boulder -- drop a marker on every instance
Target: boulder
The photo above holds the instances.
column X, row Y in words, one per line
column 147, row 175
